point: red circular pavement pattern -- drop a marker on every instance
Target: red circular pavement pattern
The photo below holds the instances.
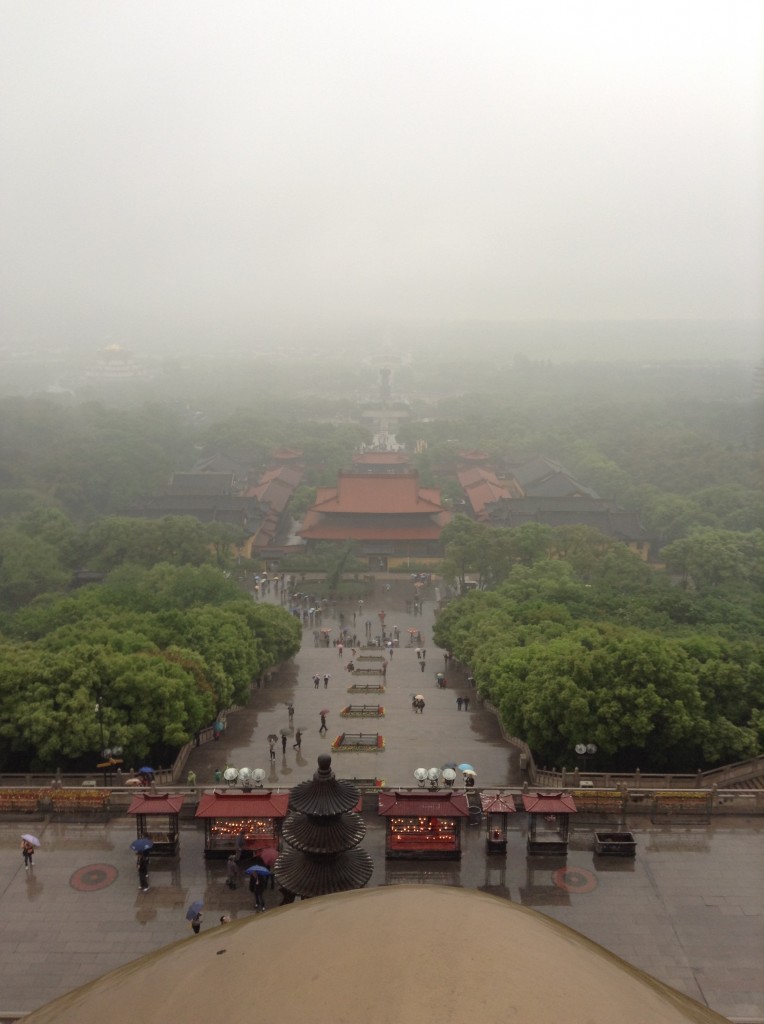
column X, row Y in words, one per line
column 575, row 880
column 93, row 877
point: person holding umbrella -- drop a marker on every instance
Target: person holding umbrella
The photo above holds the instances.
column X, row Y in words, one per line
column 257, row 879
column 194, row 915
column 142, row 863
column 28, row 844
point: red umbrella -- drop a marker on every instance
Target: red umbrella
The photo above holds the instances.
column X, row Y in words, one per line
column 269, row 856
column 324, row 711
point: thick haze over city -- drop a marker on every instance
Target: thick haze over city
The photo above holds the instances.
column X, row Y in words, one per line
column 185, row 174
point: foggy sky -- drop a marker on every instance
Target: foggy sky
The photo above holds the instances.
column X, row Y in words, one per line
column 179, row 169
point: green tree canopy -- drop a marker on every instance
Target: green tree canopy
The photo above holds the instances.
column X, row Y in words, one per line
column 160, row 650
column 603, row 650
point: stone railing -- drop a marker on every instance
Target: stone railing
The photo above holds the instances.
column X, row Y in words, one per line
column 18, row 802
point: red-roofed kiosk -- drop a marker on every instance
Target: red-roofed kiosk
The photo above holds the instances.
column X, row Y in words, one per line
column 497, row 808
column 157, row 816
column 549, row 821
column 259, row 815
column 423, row 825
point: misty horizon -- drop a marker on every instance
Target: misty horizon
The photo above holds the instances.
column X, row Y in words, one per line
column 182, row 175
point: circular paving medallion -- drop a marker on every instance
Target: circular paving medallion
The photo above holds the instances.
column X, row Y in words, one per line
column 576, row 880
column 93, row 877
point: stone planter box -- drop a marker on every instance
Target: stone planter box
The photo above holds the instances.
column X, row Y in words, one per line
column 615, row 844
column 363, row 711
column 359, row 742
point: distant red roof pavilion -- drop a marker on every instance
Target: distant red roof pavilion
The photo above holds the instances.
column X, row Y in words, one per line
column 156, row 803
column 243, row 805
column 549, row 803
column 497, row 803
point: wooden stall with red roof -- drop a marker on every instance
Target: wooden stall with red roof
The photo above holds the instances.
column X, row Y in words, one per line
column 157, row 817
column 497, row 808
column 226, row 815
column 549, row 821
column 423, row 825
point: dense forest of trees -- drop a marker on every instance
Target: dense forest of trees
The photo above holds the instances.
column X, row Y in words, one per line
column 579, row 641
column 161, row 651
column 574, row 640
column 162, row 644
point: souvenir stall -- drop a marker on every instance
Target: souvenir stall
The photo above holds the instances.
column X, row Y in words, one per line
column 423, row 825
column 497, row 809
column 549, row 821
column 156, row 818
column 226, row 815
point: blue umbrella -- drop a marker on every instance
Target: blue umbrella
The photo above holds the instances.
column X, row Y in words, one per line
column 141, row 845
column 465, row 767
column 194, row 909
column 449, row 764
column 146, row 770
column 257, row 869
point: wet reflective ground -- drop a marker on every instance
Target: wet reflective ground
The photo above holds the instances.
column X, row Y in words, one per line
column 689, row 908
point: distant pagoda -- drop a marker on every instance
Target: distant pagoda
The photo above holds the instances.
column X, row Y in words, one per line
column 323, row 831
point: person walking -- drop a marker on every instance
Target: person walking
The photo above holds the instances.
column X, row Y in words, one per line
column 241, row 845
column 297, row 745
column 418, row 653
column 327, row 677
column 191, row 780
column 323, row 723
column 421, row 665
column 27, row 852
column 466, row 702
column 290, row 712
column 196, row 922
column 231, row 872
column 340, row 648
column 459, row 703
column 142, row 863
column 257, row 888
column 316, row 681
column 283, row 744
column 272, row 749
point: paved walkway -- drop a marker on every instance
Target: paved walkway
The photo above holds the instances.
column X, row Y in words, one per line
column 689, row 909
column 438, row 735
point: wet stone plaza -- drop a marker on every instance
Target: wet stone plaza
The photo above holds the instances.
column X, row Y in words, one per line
column 688, row 908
